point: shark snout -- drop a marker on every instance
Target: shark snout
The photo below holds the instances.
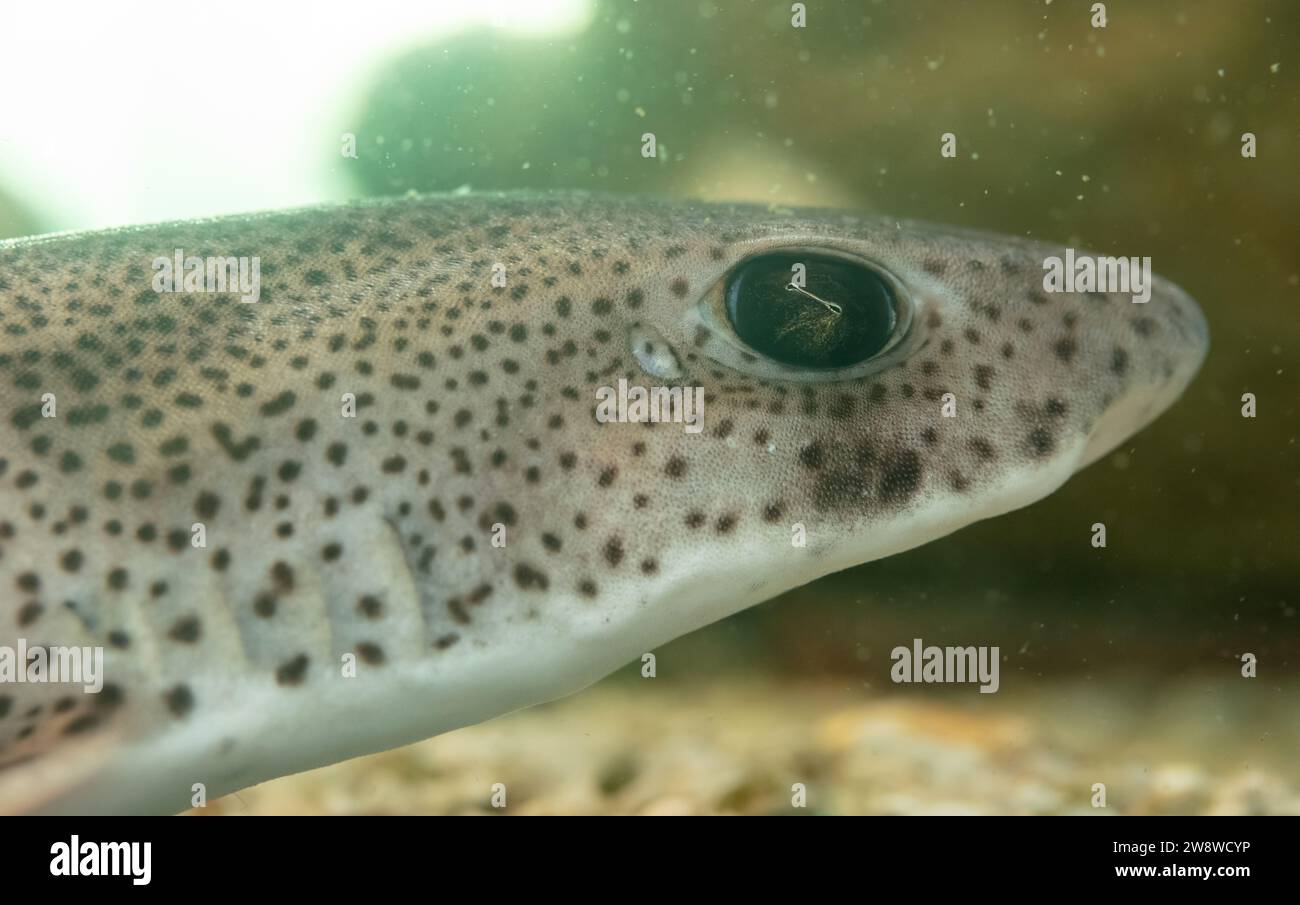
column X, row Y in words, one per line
column 1176, row 339
column 1170, row 339
column 1188, row 321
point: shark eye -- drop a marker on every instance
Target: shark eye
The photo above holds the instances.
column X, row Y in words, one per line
column 810, row 310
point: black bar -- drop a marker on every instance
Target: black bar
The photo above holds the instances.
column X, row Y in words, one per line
column 338, row 856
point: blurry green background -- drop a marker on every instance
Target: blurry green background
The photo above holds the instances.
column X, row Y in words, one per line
column 1124, row 139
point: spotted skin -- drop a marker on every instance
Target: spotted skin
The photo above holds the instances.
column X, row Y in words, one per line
column 376, row 539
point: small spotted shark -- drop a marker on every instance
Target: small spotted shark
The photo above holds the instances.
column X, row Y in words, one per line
column 376, row 504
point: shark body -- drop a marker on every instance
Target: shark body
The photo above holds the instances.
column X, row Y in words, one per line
column 474, row 540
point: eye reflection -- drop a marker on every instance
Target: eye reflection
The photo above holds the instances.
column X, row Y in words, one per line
column 811, row 311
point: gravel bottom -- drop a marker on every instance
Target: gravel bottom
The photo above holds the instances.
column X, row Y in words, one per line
column 739, row 746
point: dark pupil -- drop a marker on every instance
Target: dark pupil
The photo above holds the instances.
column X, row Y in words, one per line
column 796, row 329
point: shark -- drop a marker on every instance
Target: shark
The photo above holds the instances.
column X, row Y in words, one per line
column 372, row 501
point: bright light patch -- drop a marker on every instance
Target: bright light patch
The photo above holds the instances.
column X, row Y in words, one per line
column 151, row 110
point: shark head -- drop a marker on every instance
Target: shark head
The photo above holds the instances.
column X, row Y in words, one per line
column 869, row 385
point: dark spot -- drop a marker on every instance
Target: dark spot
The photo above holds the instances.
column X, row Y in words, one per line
column 505, row 513
column 264, row 606
column 528, row 577
column 370, row 652
column 187, row 630
column 1119, row 362
column 982, row 448
column 1040, row 441
column 122, row 452
column 1144, row 326
column 238, row 451
column 900, row 476
column 81, row 724
column 291, row 672
column 180, row 700
column 282, row 575
column 613, row 551
column 29, row 613
column 812, row 456
column 279, row 404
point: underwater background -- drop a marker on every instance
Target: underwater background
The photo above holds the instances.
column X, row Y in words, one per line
column 1121, row 665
